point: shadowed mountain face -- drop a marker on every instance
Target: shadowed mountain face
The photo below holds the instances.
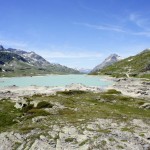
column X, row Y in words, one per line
column 107, row 62
column 14, row 62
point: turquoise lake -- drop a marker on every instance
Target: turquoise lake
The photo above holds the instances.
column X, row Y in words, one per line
column 55, row 80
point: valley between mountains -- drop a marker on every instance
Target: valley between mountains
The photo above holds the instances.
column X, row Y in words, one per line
column 76, row 116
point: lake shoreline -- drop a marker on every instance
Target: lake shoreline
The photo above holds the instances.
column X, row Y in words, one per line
column 111, row 117
column 133, row 87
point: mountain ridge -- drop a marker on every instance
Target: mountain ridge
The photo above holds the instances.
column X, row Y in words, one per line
column 14, row 62
column 133, row 66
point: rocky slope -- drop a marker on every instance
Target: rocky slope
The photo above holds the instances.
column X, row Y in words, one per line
column 15, row 62
column 107, row 62
column 134, row 66
column 74, row 120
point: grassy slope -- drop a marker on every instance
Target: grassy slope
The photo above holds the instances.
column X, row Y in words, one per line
column 80, row 107
column 136, row 66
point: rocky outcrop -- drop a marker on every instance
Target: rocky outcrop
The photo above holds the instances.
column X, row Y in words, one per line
column 133, row 87
column 145, row 106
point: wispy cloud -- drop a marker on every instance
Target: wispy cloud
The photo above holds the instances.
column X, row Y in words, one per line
column 102, row 27
column 13, row 44
column 140, row 20
column 146, row 33
column 68, row 55
column 137, row 19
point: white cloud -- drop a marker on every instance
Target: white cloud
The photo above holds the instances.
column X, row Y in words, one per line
column 57, row 54
column 139, row 20
column 102, row 27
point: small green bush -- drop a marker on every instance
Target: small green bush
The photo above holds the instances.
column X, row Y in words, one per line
column 26, row 108
column 66, row 111
column 69, row 140
column 38, row 112
column 26, row 129
column 113, row 91
column 44, row 104
column 71, row 92
column 141, row 103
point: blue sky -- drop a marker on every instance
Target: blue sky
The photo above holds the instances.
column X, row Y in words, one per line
column 76, row 33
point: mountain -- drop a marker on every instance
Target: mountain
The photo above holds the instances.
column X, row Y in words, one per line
column 31, row 57
column 84, row 70
column 107, row 62
column 134, row 66
column 14, row 62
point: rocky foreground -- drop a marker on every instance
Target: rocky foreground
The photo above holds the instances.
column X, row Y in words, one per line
column 76, row 117
column 100, row 134
column 133, row 87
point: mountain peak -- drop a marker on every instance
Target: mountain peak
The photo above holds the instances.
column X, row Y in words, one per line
column 1, row 48
column 145, row 50
column 108, row 61
column 113, row 57
column 28, row 63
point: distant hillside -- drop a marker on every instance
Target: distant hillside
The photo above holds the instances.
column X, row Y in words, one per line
column 107, row 62
column 15, row 62
column 84, row 70
column 134, row 66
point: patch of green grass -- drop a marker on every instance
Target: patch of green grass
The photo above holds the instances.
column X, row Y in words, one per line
column 127, row 129
column 83, row 142
column 69, row 140
column 27, row 107
column 38, row 112
column 56, row 137
column 137, row 66
column 113, row 91
column 142, row 134
column 8, row 114
column 66, row 111
column 103, row 142
column 145, row 76
column 103, row 131
column 44, row 104
column 120, row 147
column 72, row 92
column 141, row 103
column 112, row 139
column 27, row 129
column 16, row 145
column 78, row 109
column 37, row 95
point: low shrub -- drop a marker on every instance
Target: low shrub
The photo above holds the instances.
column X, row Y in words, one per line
column 26, row 108
column 72, row 92
column 113, row 91
column 44, row 104
column 69, row 140
column 38, row 112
